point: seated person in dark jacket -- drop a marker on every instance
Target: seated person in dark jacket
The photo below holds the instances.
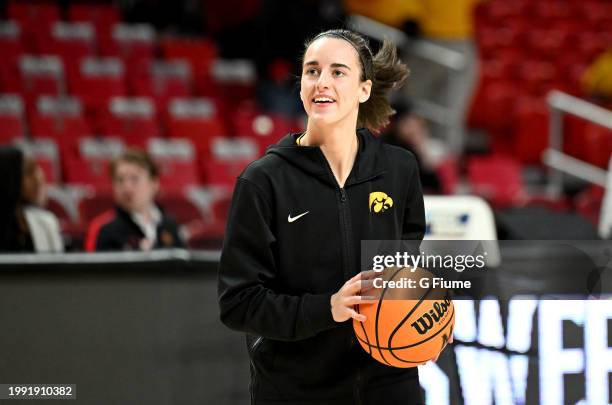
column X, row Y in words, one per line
column 137, row 222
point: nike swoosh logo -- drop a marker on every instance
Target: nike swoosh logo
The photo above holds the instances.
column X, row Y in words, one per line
column 296, row 217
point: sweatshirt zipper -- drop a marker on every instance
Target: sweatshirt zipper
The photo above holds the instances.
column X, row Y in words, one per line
column 345, row 219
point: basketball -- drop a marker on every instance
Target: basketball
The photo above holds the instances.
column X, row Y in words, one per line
column 406, row 326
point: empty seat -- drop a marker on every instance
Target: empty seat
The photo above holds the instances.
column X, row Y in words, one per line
column 176, row 162
column 92, row 165
column 237, row 79
column 11, row 117
column 163, row 81
column 35, row 19
column 532, row 129
column 41, row 75
column 102, row 16
column 199, row 53
column 11, row 46
column 72, row 42
column 264, row 129
column 131, row 119
column 134, row 43
column 99, row 80
column 222, row 173
column 196, row 119
column 62, row 119
column 497, row 179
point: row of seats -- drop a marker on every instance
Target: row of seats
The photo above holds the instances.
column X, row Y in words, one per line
column 526, row 50
column 201, row 211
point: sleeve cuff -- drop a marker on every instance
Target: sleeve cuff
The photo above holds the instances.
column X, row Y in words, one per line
column 317, row 312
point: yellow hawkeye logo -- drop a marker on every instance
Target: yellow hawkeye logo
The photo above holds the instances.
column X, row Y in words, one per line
column 380, row 202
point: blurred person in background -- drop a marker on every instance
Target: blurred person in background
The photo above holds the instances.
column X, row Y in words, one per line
column 24, row 225
column 409, row 131
column 448, row 24
column 137, row 222
column 597, row 79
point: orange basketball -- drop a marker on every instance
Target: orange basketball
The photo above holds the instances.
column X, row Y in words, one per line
column 406, row 327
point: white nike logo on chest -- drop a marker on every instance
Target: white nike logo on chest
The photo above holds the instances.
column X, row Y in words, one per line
column 289, row 219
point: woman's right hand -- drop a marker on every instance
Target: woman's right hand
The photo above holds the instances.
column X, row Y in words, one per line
column 343, row 302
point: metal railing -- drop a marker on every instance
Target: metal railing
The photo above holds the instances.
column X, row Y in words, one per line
column 453, row 62
column 554, row 157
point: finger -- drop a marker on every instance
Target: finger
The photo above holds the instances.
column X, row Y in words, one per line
column 451, row 339
column 435, row 359
column 356, row 316
column 352, row 288
column 359, row 299
column 369, row 274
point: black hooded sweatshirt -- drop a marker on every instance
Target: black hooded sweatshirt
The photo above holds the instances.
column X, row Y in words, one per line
column 292, row 240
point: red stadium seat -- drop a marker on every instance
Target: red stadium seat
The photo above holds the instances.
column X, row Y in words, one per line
column 162, row 81
column 498, row 179
column 11, row 46
column 133, row 43
column 180, row 208
column 11, row 118
column 131, row 119
column 176, row 162
column 62, row 119
column 531, row 130
column 598, row 144
column 72, row 42
column 264, row 129
column 222, row 173
column 35, row 19
column 196, row 119
column 97, row 82
column 90, row 168
column 236, row 78
column 42, row 75
column 199, row 53
column 93, row 174
column 102, row 16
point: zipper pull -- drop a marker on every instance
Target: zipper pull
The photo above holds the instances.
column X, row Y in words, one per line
column 342, row 195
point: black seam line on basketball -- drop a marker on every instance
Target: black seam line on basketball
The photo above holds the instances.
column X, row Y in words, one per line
column 364, row 333
column 429, row 290
column 380, row 302
column 415, row 344
column 403, row 321
column 409, row 361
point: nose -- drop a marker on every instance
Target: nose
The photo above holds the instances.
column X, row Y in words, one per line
column 324, row 79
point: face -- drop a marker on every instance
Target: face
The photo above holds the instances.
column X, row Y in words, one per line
column 331, row 87
column 32, row 182
column 133, row 187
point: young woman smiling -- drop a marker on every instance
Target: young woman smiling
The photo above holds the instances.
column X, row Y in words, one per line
column 289, row 274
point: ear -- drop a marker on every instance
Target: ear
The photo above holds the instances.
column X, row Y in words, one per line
column 365, row 88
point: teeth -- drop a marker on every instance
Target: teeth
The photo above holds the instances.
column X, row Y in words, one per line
column 323, row 100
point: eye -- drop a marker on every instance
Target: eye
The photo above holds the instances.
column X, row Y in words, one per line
column 311, row 71
column 338, row 73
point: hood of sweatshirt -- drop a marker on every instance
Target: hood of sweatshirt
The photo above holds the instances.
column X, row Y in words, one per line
column 370, row 161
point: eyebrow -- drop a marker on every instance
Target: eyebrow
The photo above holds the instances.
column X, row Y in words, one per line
column 335, row 65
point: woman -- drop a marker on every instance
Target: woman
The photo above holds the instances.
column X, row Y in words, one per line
column 24, row 226
column 289, row 270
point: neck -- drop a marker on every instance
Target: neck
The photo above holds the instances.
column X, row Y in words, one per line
column 146, row 212
column 339, row 144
